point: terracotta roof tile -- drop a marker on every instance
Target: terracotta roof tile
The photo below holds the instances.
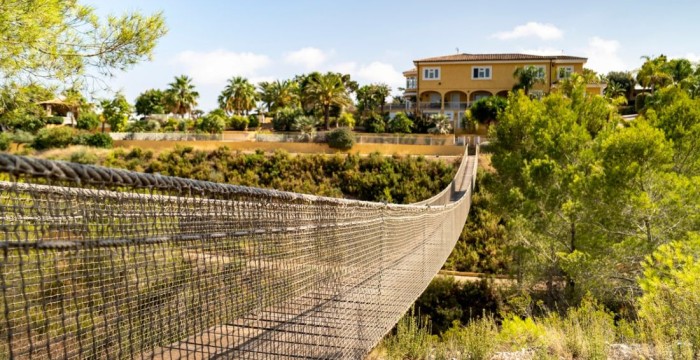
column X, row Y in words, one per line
column 497, row 57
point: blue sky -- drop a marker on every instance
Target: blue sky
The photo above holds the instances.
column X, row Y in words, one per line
column 376, row 40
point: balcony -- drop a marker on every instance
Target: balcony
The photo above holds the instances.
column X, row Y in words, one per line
column 427, row 106
column 451, row 105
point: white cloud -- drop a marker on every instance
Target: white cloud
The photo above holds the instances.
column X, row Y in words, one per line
column 374, row 72
column 309, row 57
column 531, row 29
column 693, row 57
column 216, row 66
column 603, row 55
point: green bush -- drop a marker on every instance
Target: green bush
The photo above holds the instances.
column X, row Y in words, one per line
column 518, row 334
column 5, row 141
column 58, row 137
column 254, row 121
column 238, row 122
column 54, row 120
column 88, row 121
column 83, row 157
column 212, row 123
column 284, row 118
column 412, row 339
column 346, row 119
column 475, row 341
column 341, row 138
column 99, row 140
column 401, row 123
column 487, row 109
column 22, row 137
column 375, row 123
column 28, row 122
column 668, row 309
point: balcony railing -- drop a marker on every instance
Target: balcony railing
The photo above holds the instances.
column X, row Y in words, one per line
column 449, row 105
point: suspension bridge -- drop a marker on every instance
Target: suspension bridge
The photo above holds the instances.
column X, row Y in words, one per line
column 101, row 263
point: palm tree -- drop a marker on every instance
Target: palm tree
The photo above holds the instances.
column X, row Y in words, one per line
column 180, row 96
column 238, row 96
column 691, row 84
column 279, row 94
column 614, row 90
column 325, row 91
column 653, row 74
column 527, row 77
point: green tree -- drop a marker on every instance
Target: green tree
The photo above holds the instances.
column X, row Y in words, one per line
column 325, row 91
column 487, row 109
column 624, row 80
column 441, row 124
column 653, row 73
column 678, row 69
column 401, row 123
column 528, row 77
column 116, row 112
column 181, row 96
column 279, row 94
column 372, row 97
column 61, row 39
column 19, row 109
column 213, row 123
column 238, row 96
column 149, row 102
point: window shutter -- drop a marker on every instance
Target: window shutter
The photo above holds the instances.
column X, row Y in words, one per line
column 487, row 72
column 476, row 73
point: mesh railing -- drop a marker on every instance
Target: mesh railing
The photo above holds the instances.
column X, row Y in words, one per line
column 100, row 263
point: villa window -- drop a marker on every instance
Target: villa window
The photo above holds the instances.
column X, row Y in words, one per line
column 541, row 71
column 411, row 83
column 564, row 72
column 431, row 74
column 481, row 72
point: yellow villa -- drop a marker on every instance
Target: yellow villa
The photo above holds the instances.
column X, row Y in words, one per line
column 450, row 84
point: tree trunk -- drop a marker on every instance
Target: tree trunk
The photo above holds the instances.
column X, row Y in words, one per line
column 327, row 116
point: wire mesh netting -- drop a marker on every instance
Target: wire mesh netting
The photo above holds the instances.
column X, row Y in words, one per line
column 101, row 263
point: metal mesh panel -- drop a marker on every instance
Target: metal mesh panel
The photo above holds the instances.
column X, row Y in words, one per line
column 102, row 263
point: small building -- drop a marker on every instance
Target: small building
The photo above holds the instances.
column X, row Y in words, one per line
column 59, row 108
column 450, row 84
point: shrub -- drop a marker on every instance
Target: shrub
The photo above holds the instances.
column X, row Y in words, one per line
column 254, row 121
column 487, row 109
column 585, row 333
column 83, row 157
column 375, row 123
column 22, row 137
column 54, row 120
column 213, row 123
column 640, row 101
column 5, row 141
column 346, row 119
column 307, row 126
column 471, row 125
column 99, row 140
column 475, row 341
column 58, row 137
column 400, row 124
column 238, row 122
column 341, row 138
column 284, row 118
column 412, row 339
column 441, row 125
column 27, row 122
column 518, row 334
column 88, row 121
column 668, row 308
